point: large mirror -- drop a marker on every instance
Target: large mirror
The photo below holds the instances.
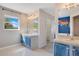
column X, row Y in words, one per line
column 76, row 25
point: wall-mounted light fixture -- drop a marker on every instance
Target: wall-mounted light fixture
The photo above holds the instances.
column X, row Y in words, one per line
column 70, row 5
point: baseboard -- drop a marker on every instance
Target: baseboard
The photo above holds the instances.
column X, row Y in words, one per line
column 10, row 46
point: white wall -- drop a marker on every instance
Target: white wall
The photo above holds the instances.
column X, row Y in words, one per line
column 8, row 37
column 42, row 31
column 27, row 7
column 51, row 18
column 64, row 12
column 61, row 13
column 23, row 23
column 73, row 12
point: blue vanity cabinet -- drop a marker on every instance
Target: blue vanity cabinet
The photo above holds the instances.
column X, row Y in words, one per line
column 30, row 41
column 27, row 41
column 75, row 51
column 61, row 49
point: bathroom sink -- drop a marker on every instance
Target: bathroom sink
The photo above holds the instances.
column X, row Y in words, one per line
column 68, row 40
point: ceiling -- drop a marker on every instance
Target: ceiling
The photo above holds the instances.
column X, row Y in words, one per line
column 29, row 7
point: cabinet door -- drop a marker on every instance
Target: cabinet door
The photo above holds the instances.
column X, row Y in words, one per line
column 24, row 41
column 61, row 49
column 27, row 41
column 75, row 51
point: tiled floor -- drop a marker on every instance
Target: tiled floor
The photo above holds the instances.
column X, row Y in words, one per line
column 20, row 50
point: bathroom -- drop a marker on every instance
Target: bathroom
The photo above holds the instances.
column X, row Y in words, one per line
column 49, row 29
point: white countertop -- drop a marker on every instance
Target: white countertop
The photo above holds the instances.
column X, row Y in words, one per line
column 67, row 40
column 31, row 34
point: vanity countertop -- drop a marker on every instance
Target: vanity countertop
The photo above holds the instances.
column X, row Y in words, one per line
column 31, row 34
column 68, row 40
